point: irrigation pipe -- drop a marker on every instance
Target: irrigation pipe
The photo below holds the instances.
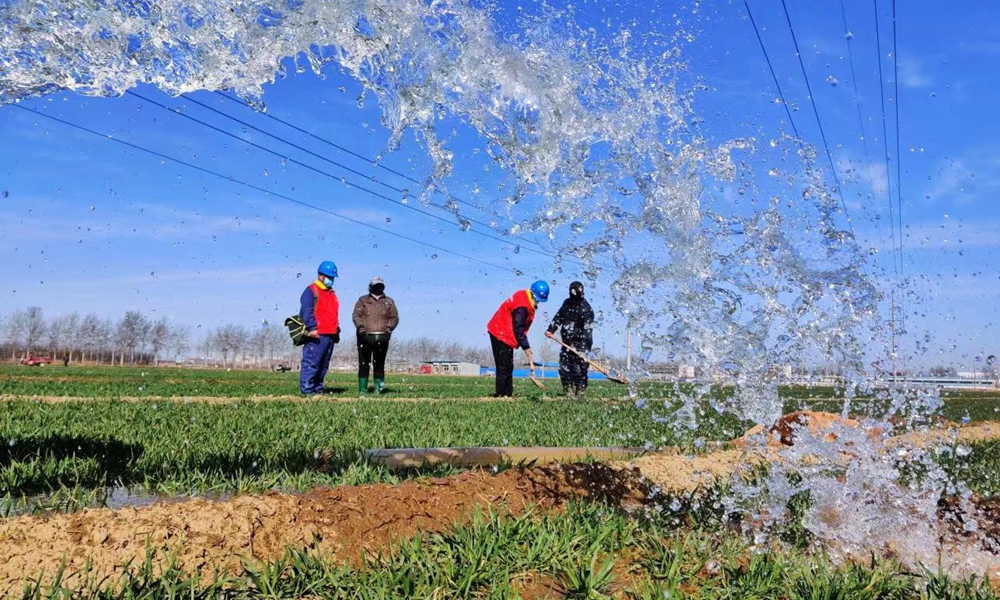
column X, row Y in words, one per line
column 408, row 458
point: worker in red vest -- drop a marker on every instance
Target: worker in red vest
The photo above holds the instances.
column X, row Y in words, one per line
column 320, row 312
column 508, row 331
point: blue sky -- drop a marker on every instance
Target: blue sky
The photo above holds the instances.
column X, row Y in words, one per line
column 88, row 225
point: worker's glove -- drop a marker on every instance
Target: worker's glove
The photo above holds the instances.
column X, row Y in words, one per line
column 336, row 338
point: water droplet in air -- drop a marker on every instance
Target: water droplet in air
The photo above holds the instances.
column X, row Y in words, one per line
column 298, row 275
column 434, row 256
column 849, row 35
column 6, row 194
column 831, row 80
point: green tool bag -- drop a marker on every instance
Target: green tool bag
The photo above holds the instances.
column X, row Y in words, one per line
column 297, row 330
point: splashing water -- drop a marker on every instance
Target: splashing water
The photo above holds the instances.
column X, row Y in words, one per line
column 737, row 271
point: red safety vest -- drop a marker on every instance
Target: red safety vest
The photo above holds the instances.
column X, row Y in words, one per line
column 326, row 309
column 501, row 326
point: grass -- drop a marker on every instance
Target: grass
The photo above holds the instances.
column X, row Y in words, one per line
column 243, row 446
column 588, row 552
column 149, row 382
column 71, row 451
column 250, row 446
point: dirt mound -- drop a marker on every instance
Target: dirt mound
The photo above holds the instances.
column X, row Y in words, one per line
column 346, row 523
column 674, row 472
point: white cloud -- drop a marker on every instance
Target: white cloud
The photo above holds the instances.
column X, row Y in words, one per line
column 913, row 75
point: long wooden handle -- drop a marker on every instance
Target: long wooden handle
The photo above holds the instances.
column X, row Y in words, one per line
column 584, row 357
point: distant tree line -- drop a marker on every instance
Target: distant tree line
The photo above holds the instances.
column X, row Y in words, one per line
column 133, row 339
column 137, row 338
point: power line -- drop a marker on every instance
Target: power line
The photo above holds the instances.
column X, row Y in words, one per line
column 379, row 165
column 795, row 130
column 357, row 155
column 774, row 76
column 899, row 155
column 340, row 165
column 885, row 139
column 342, row 180
column 864, row 135
column 249, row 185
column 819, row 122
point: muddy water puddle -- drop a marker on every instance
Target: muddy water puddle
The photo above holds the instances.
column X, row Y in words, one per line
column 114, row 497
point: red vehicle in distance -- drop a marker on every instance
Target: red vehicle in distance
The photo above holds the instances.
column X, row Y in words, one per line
column 36, row 361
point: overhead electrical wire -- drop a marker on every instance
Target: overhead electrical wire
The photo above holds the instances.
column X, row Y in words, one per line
column 285, row 197
column 864, row 134
column 388, row 169
column 346, row 150
column 819, row 122
column 371, row 178
column 342, row 180
column 885, row 140
column 774, row 76
column 899, row 156
column 791, row 121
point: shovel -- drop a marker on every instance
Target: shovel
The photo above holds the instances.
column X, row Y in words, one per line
column 596, row 366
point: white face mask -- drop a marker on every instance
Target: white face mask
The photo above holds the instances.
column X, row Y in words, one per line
column 327, row 282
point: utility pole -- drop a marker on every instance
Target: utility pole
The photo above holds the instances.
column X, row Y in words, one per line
column 628, row 350
column 892, row 324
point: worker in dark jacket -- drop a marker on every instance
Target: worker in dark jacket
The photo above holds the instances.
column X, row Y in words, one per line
column 320, row 312
column 575, row 322
column 375, row 317
column 508, row 331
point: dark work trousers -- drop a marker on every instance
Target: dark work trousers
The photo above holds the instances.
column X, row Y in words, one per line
column 573, row 372
column 372, row 349
column 316, row 354
column 503, row 356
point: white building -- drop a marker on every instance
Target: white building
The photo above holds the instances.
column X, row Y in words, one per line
column 449, row 367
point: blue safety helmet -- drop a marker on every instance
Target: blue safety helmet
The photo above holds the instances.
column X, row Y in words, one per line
column 540, row 290
column 328, row 268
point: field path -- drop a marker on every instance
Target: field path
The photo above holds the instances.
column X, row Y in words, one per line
column 231, row 399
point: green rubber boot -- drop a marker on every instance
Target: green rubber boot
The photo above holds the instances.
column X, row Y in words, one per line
column 362, row 385
column 379, row 386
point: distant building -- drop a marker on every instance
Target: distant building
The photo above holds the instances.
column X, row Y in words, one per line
column 671, row 372
column 450, row 367
column 973, row 375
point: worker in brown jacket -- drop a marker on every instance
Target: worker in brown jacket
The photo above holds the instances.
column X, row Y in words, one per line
column 375, row 317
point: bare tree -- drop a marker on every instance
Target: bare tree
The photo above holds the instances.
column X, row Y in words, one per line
column 179, row 340
column 13, row 332
column 33, row 327
column 87, row 337
column 276, row 340
column 71, row 332
column 61, row 332
column 131, row 334
column 159, row 337
column 229, row 341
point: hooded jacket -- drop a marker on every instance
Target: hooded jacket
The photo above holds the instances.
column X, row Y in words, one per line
column 575, row 322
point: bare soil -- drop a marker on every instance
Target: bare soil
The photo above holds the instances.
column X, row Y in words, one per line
column 346, row 523
column 349, row 523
